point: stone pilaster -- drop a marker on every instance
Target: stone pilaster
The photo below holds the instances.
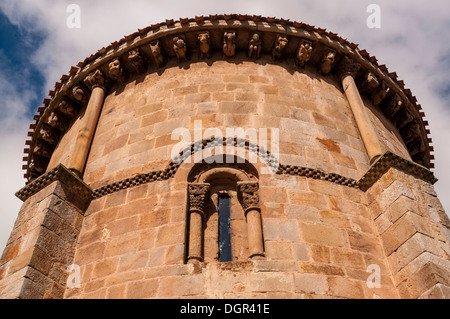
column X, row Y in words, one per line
column 41, row 246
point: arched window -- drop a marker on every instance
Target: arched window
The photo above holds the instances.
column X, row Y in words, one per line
column 224, row 221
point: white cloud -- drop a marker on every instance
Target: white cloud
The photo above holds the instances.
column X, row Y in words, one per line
column 411, row 42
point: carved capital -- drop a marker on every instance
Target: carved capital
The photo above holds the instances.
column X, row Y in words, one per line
column 347, row 67
column 198, row 193
column 249, row 195
column 96, row 79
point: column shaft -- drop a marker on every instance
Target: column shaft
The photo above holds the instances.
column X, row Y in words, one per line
column 255, row 238
column 86, row 133
column 195, row 236
column 368, row 133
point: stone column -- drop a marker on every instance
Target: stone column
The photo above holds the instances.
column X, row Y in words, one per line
column 346, row 71
column 248, row 192
column 197, row 198
column 90, row 118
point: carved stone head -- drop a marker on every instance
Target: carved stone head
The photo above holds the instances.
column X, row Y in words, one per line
column 115, row 69
column 78, row 93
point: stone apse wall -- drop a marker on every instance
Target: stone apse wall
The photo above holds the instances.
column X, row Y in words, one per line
column 139, row 225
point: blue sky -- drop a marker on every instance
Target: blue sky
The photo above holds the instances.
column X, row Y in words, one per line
column 36, row 48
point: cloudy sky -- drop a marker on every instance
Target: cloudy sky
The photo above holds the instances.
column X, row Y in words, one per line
column 37, row 47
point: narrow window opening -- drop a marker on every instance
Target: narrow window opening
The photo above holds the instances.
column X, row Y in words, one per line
column 224, row 228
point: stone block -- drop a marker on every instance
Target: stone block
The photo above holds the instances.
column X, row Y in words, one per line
column 402, row 230
column 142, row 289
column 270, row 282
column 345, row 288
column 323, row 235
column 411, row 249
column 401, row 206
column 311, row 284
column 347, row 258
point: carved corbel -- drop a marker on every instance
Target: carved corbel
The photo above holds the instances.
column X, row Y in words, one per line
column 380, row 93
column 205, row 45
column 115, row 70
column 67, row 108
column 304, row 53
column 180, row 48
column 229, row 43
column 254, row 46
column 155, row 49
column 42, row 149
column 49, row 135
column 410, row 132
column 280, row 44
column 38, row 164
column 403, row 118
column 56, row 122
column 327, row 61
column 78, row 94
column 369, row 83
column 391, row 108
column 136, row 61
column 346, row 67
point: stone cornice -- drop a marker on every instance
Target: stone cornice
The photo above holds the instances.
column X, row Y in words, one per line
column 390, row 160
column 154, row 45
column 59, row 173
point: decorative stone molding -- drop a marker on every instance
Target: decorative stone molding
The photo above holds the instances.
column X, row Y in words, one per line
column 59, row 173
column 388, row 160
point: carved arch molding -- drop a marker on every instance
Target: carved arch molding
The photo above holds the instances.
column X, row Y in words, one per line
column 247, row 182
